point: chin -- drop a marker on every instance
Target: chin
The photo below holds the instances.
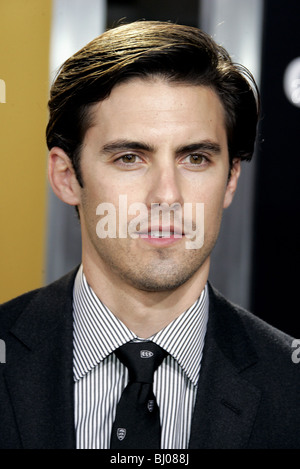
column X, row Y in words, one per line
column 160, row 282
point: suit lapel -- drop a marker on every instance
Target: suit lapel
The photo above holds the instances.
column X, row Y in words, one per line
column 226, row 403
column 40, row 379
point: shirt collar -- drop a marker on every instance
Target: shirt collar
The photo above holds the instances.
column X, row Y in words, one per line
column 184, row 337
column 98, row 332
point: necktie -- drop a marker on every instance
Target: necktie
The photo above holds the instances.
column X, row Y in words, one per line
column 137, row 424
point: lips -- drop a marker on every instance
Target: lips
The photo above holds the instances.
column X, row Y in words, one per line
column 161, row 232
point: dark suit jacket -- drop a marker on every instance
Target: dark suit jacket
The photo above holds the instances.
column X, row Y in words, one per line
column 248, row 392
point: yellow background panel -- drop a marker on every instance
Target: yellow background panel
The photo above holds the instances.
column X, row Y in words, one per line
column 24, row 53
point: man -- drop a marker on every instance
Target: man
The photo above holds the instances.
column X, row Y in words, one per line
column 148, row 126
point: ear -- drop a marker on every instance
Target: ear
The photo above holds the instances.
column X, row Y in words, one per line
column 62, row 177
column 232, row 183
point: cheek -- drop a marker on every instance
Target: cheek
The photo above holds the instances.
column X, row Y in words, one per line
column 100, row 191
column 213, row 206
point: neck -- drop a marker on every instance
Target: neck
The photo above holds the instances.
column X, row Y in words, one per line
column 144, row 312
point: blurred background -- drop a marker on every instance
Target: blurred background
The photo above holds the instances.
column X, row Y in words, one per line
column 255, row 262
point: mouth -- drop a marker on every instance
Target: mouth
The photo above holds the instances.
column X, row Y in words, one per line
column 161, row 232
column 161, row 235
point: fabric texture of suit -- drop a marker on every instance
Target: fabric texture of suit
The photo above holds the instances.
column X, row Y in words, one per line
column 248, row 391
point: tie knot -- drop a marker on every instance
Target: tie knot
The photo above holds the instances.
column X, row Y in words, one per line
column 141, row 359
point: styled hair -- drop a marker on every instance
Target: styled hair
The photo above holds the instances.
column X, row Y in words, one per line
column 177, row 53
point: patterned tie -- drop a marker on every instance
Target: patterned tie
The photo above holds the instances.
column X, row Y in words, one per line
column 137, row 424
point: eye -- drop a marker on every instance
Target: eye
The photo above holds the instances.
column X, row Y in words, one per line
column 128, row 159
column 195, row 160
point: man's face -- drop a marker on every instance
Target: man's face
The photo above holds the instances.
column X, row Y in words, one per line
column 155, row 143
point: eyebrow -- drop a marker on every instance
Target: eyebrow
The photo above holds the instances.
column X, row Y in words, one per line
column 122, row 145
column 205, row 145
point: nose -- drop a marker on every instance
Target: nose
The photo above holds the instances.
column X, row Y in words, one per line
column 165, row 186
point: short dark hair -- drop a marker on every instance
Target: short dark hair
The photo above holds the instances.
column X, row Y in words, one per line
column 178, row 53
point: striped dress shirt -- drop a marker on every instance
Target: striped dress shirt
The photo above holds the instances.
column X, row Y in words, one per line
column 100, row 377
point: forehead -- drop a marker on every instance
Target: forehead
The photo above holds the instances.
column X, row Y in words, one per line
column 155, row 107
